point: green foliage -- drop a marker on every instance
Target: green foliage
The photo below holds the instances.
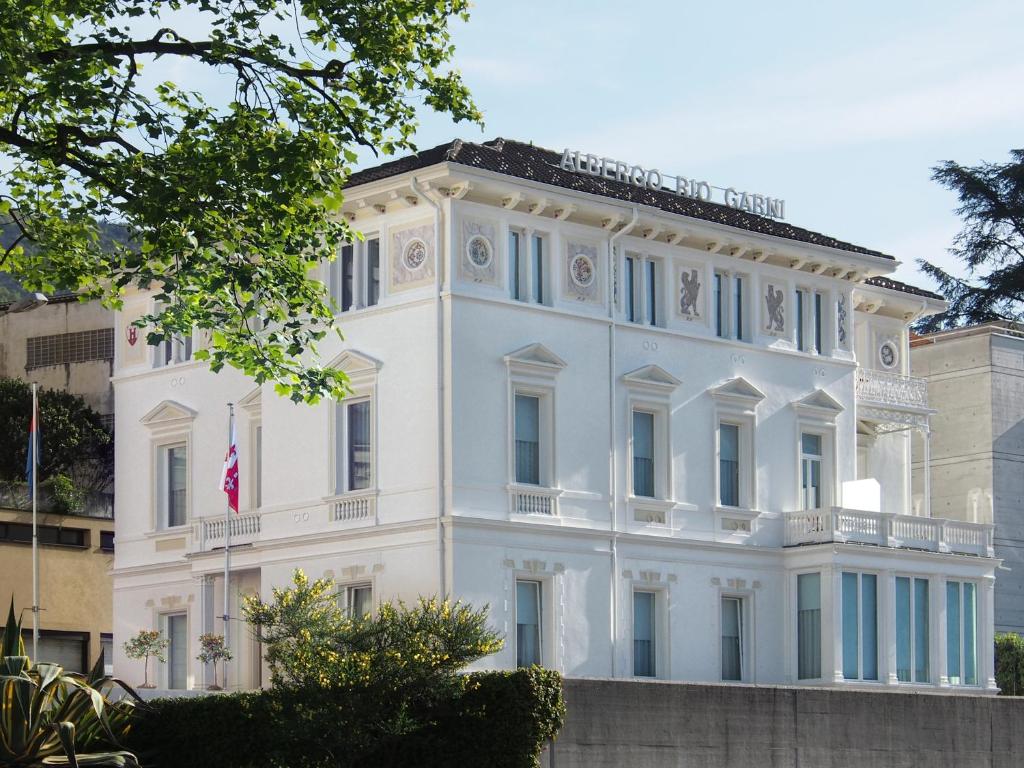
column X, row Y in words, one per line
column 990, row 245
column 213, row 650
column 67, row 497
column 230, row 206
column 57, row 717
column 1010, row 664
column 310, row 640
column 74, row 441
column 147, row 643
column 496, row 719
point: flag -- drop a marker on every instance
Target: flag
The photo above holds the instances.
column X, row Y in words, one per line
column 34, row 444
column 229, row 475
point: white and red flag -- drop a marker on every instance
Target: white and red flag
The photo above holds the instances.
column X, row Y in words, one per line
column 229, row 475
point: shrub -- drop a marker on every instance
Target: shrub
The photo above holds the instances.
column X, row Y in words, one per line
column 1010, row 664
column 67, row 497
column 497, row 719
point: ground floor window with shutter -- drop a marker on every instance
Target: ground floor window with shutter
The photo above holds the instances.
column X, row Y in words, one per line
column 644, row 628
column 808, row 626
column 732, row 638
column 528, row 623
column 175, row 629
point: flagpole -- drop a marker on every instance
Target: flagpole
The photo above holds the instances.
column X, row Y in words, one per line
column 34, row 427
column 227, row 552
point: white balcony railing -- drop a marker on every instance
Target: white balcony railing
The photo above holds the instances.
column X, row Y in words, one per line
column 244, row 530
column 354, row 507
column 533, row 500
column 888, row 530
column 891, row 389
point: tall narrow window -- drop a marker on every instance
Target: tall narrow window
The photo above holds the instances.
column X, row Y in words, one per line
column 539, row 272
column 720, row 330
column 173, row 482
column 257, row 456
column 644, row 650
column 961, row 633
column 860, row 626
column 737, row 307
column 729, row 465
column 651, row 308
column 629, row 290
column 912, row 630
column 810, row 472
column 798, row 301
column 527, row 425
column 358, row 448
column 341, row 278
column 515, row 267
column 528, row 607
column 808, row 626
column 817, row 323
column 359, row 600
column 643, row 453
column 732, row 638
column 177, row 650
column 372, row 271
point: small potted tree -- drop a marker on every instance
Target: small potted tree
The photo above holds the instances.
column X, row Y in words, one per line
column 213, row 650
column 149, row 642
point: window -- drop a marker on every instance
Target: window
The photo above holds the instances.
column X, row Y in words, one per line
column 808, row 626
column 68, row 649
column 354, row 430
column 860, row 626
column 651, row 308
column 176, row 349
column 912, row 629
column 528, row 623
column 737, row 308
column 372, row 271
column 720, row 326
column 515, row 264
column 817, row 323
column 107, row 649
column 63, row 348
column 538, row 260
column 107, row 541
column 643, row 453
column 801, row 342
column 176, row 631
column 732, row 638
column 357, row 599
column 730, row 306
column 354, row 277
column 644, row 650
column 629, row 289
column 961, row 633
column 729, row 464
column 810, row 470
column 527, row 439
column 21, row 533
column 342, row 279
column 257, row 461
column 173, row 485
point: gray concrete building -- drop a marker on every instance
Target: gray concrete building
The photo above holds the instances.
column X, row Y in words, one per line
column 975, row 380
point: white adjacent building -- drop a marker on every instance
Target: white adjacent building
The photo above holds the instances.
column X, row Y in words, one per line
column 656, row 435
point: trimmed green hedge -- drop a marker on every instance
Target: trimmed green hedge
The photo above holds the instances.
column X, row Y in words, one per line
column 1010, row 664
column 501, row 720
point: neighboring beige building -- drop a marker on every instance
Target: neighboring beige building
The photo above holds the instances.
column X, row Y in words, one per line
column 65, row 345
column 975, row 381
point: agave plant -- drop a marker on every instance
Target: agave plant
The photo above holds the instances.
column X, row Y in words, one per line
column 52, row 717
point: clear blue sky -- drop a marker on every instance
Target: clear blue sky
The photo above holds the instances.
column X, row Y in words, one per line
column 841, row 108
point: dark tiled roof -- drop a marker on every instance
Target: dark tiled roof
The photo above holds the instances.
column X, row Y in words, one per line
column 896, row 285
column 525, row 161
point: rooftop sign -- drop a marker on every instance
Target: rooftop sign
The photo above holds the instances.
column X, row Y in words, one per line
column 651, row 178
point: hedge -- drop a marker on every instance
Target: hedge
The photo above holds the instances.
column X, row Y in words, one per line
column 501, row 719
column 1010, row 664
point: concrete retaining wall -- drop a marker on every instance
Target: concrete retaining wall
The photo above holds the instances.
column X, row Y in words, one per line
column 676, row 725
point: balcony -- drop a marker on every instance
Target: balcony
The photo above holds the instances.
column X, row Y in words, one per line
column 355, row 507
column 891, row 390
column 245, row 529
column 849, row 526
column 533, row 500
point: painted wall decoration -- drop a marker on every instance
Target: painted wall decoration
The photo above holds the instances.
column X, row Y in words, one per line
column 690, row 285
column 478, row 263
column 582, row 278
column 134, row 348
column 775, row 309
column 841, row 320
column 412, row 257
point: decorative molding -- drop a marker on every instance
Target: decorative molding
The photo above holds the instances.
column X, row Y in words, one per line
column 819, row 405
column 651, row 377
column 169, row 413
column 535, row 358
column 738, row 391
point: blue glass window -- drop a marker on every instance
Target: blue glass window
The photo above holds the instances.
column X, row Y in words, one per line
column 527, row 425
column 643, row 454
column 644, row 663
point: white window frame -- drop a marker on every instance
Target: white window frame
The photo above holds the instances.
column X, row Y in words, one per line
column 746, row 618
column 662, row 648
column 816, row 415
column 736, row 403
column 662, row 450
column 343, row 480
column 346, row 592
column 362, row 372
column 162, row 482
column 360, row 273
column 546, row 279
column 178, row 348
column 545, row 434
column 929, row 625
column 163, row 624
column 822, row 589
column 532, row 371
column 542, row 604
column 744, row 331
column 879, row 636
column 977, row 632
column 252, row 406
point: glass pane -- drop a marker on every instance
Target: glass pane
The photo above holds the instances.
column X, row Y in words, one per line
column 177, row 481
column 359, row 445
column 347, row 277
column 851, row 629
column 652, row 294
column 921, row 672
column 538, row 269
column 903, row 629
column 808, row 588
column 731, row 642
column 107, row 647
column 729, row 464
column 799, row 301
column 643, row 453
column 177, row 652
column 811, row 444
column 953, row 632
column 719, row 309
column 527, row 439
column 869, row 621
column 360, row 600
column 373, row 268
column 514, row 267
column 527, row 623
column 643, row 634
column 628, row 289
column 340, row 449
column 970, row 636
column 738, row 307
column 817, row 322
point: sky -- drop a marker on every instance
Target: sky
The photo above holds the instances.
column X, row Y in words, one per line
column 840, row 108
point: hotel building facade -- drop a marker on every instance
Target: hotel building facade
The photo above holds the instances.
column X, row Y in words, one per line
column 657, row 436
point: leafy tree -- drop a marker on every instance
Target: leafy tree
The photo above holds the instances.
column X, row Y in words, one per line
column 147, row 643
column 990, row 245
column 230, row 206
column 212, row 649
column 1010, row 664
column 74, row 440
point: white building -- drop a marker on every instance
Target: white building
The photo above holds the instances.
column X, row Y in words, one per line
column 704, row 477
